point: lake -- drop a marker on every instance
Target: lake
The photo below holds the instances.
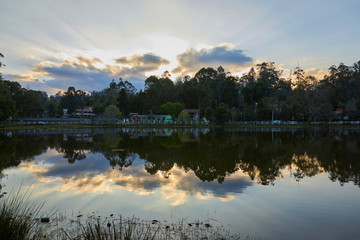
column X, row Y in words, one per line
column 267, row 183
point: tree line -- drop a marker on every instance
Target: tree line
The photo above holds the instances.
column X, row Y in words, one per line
column 260, row 94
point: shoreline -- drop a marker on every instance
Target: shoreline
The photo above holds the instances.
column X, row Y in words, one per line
column 7, row 127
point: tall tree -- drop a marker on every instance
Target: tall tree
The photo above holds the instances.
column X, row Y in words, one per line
column 72, row 99
column 112, row 113
column 31, row 103
column 173, row 109
column 125, row 96
column 158, row 91
column 7, row 105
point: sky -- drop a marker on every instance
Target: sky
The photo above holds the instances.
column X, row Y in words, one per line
column 51, row 45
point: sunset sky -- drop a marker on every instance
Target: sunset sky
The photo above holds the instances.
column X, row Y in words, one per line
column 51, row 45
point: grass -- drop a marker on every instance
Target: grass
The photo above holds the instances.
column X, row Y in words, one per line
column 119, row 228
column 20, row 219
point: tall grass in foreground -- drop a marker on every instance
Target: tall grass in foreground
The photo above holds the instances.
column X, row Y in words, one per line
column 119, row 228
column 18, row 216
column 20, row 220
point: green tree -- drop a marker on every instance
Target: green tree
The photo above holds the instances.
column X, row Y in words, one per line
column 112, row 112
column 173, row 109
column 299, row 76
column 7, row 105
column 72, row 99
column 31, row 103
column 52, row 106
column 208, row 87
column 158, row 91
column 138, row 103
column 123, row 101
column 230, row 91
column 222, row 114
column 125, row 96
column 188, row 91
column 184, row 117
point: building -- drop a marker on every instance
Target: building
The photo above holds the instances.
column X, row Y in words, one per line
column 158, row 118
column 193, row 113
column 84, row 112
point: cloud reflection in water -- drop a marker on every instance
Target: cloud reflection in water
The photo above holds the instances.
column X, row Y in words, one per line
column 96, row 176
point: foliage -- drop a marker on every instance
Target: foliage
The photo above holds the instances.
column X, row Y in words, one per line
column 173, row 109
column 158, row 91
column 72, row 99
column 18, row 217
column 7, row 105
column 184, row 117
column 209, row 114
column 31, row 103
column 222, row 114
column 53, row 108
column 112, row 112
column 260, row 94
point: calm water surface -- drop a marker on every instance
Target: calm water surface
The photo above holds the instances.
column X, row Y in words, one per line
column 265, row 183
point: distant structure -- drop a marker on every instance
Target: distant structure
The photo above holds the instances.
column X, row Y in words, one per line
column 193, row 113
column 85, row 112
column 144, row 117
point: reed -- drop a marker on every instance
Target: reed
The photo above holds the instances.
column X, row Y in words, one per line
column 20, row 220
column 19, row 217
column 119, row 228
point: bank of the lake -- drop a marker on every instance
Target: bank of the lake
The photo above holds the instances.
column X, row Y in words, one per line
column 10, row 127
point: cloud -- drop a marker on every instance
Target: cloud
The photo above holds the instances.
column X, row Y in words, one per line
column 80, row 73
column 21, row 77
column 139, row 65
column 91, row 73
column 192, row 60
column 87, row 61
column 316, row 72
column 147, row 59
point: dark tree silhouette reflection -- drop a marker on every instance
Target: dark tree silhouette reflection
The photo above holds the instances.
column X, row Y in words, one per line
column 213, row 156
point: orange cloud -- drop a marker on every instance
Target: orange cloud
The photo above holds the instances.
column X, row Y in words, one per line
column 316, row 72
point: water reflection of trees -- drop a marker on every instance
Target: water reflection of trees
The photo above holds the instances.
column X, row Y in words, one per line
column 263, row 156
column 13, row 150
column 73, row 149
